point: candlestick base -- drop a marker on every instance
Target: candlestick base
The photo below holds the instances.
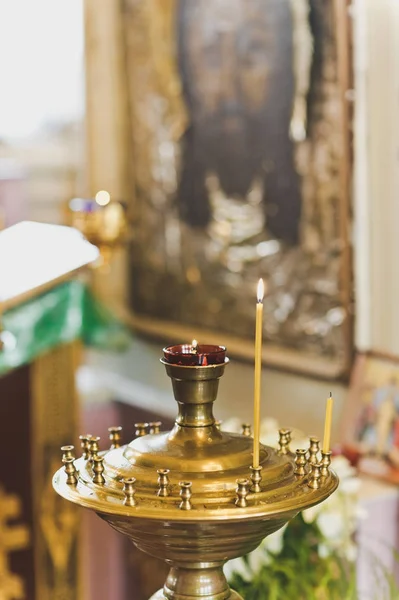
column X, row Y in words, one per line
column 160, row 596
column 192, row 581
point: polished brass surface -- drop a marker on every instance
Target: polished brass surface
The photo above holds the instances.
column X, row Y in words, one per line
column 210, row 514
column 314, row 450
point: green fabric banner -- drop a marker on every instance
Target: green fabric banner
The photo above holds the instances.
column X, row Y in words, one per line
column 65, row 313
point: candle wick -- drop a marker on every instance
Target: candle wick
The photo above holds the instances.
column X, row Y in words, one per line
column 330, row 394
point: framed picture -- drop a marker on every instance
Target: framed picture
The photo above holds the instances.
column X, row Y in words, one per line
column 240, row 170
column 370, row 427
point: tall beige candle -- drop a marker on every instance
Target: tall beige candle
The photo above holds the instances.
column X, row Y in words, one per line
column 258, row 370
column 328, row 424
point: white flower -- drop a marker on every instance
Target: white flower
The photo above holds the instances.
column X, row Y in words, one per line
column 338, row 516
column 310, row 514
column 258, row 559
column 233, row 425
column 331, row 525
column 274, row 542
column 238, row 566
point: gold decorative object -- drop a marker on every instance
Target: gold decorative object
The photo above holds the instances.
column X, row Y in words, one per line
column 256, row 478
column 98, row 470
column 155, row 426
column 185, row 495
column 70, row 471
column 242, row 492
column 129, row 491
column 300, row 463
column 67, row 452
column 85, row 444
column 163, row 481
column 314, row 449
column 246, row 429
column 284, row 441
column 115, row 436
column 13, row 537
column 314, row 481
column 209, row 514
column 102, row 220
column 325, row 463
column 141, row 429
column 93, row 447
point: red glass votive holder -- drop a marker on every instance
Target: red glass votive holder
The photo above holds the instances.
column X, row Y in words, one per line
column 201, row 355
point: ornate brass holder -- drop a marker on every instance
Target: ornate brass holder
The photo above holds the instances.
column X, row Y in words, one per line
column 189, row 496
column 102, row 221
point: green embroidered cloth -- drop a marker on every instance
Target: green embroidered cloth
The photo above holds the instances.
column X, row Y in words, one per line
column 65, row 313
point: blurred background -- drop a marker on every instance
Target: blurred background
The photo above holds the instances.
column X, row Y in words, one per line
column 226, row 153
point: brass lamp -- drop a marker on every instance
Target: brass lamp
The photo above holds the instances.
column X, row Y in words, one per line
column 102, row 220
column 189, row 496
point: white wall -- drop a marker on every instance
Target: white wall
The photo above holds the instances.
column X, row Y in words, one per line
column 376, row 181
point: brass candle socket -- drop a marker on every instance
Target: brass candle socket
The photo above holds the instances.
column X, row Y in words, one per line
column 185, row 495
column 314, row 450
column 93, row 447
column 155, row 426
column 300, row 463
column 242, row 493
column 256, row 478
column 70, row 471
column 141, row 429
column 115, row 436
column 85, row 445
column 129, row 491
column 325, row 463
column 98, row 470
column 246, row 429
column 284, row 441
column 222, row 510
column 163, row 482
column 315, row 476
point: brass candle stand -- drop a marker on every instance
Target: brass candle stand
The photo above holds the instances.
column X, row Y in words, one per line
column 189, row 496
column 103, row 222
